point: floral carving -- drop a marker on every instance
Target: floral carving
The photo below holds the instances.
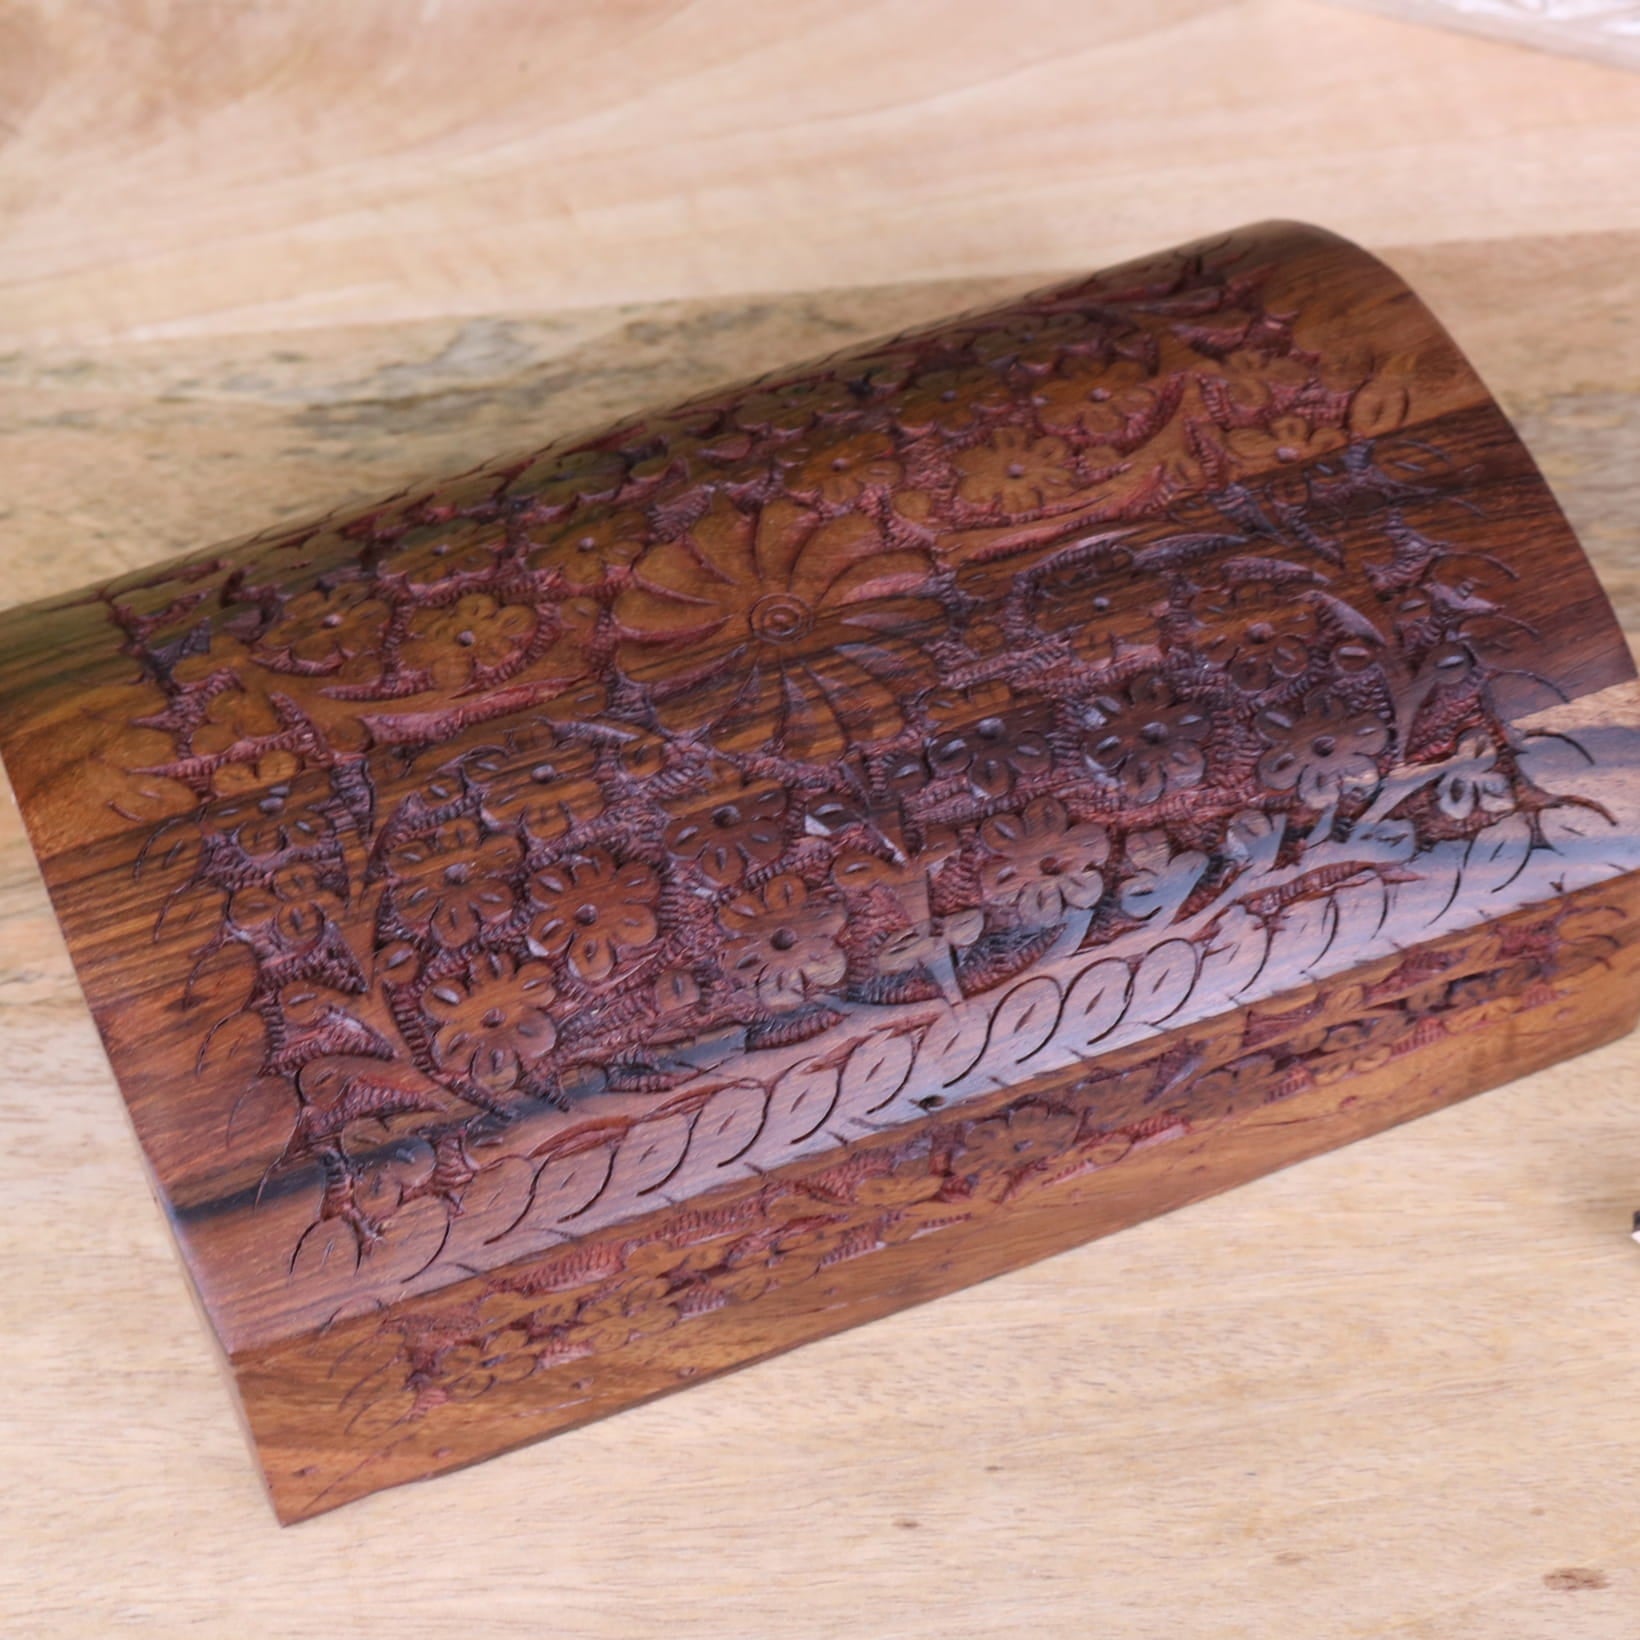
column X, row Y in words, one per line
column 1286, row 439
column 1250, row 382
column 1322, row 751
column 1158, row 881
column 453, row 882
column 1015, row 472
column 1124, row 409
column 784, row 625
column 590, row 910
column 1474, row 781
column 1037, row 343
column 294, row 902
column 949, row 401
column 328, row 630
column 949, row 1177
column 1042, row 862
column 898, row 684
column 1259, row 637
column 449, row 645
column 438, row 561
column 591, row 545
column 982, row 735
column 586, row 475
column 494, row 1022
column 839, row 474
column 784, row 941
column 787, row 408
column 932, row 943
column 540, row 800
column 288, row 815
column 243, row 733
column 1146, row 738
column 735, row 836
column 537, row 783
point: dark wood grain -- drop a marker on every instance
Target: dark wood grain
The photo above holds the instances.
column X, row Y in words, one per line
column 633, row 907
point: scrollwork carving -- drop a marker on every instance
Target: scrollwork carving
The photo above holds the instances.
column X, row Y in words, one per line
column 648, row 876
column 1023, row 650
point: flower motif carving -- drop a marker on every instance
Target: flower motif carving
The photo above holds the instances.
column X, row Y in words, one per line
column 286, row 816
column 332, row 631
column 450, row 645
column 839, row 474
column 984, row 736
column 931, row 943
column 294, row 902
column 1323, row 751
column 783, row 625
column 1259, row 638
column 591, row 544
column 1038, row 343
column 947, row 401
column 559, row 482
column 1287, row 439
column 244, row 735
column 1015, row 473
column 454, row 882
column 1146, row 738
column 856, row 690
column 785, row 409
column 1474, row 781
column 1042, row 863
column 784, row 941
column 740, row 834
column 538, row 785
column 591, row 911
column 494, row 1023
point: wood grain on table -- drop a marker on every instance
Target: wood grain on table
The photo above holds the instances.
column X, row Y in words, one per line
column 1392, row 1391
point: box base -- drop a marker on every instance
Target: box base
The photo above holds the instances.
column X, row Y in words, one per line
column 560, row 1340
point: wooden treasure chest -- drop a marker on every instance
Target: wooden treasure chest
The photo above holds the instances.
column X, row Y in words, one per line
column 586, row 924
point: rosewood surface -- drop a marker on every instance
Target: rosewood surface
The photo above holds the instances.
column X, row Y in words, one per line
column 633, row 907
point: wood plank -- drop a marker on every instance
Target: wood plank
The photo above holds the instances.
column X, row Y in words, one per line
column 180, row 169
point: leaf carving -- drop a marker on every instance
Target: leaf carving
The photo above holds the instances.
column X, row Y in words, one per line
column 725, row 1128
column 492, row 1202
column 1253, row 840
column 647, row 1157
column 1303, row 934
column 565, row 1185
column 873, row 1074
column 1497, row 856
column 801, row 1099
column 1095, row 1004
column 1024, row 1021
column 951, row 1046
column 1163, row 880
column 1234, row 957
column 1165, row 978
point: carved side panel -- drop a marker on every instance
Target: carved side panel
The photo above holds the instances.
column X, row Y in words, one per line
column 643, row 903
column 547, row 1343
column 612, row 822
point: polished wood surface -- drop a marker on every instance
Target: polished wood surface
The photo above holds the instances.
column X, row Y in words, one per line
column 1293, row 1363
column 1366, row 1436
column 571, row 928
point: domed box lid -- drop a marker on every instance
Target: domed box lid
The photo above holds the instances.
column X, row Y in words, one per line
column 456, row 879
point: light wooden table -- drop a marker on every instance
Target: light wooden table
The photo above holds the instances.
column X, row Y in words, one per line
column 258, row 259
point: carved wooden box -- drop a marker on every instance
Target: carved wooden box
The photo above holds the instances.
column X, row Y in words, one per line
column 618, row 913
